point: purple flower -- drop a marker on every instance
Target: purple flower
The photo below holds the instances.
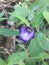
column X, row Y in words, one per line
column 26, row 33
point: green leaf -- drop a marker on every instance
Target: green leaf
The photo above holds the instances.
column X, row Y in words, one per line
column 38, row 2
column 44, row 44
column 19, row 14
column 30, row 61
column 21, row 63
column 45, row 2
column 40, row 57
column 20, row 10
column 38, row 45
column 2, row 13
column 2, row 19
column 8, row 32
column 34, row 48
column 34, row 4
column 16, row 63
column 46, row 15
column 44, row 55
column 2, row 62
column 44, row 63
column 26, row 0
column 16, row 57
column 31, row 15
column 13, row 18
column 23, row 19
column 38, row 19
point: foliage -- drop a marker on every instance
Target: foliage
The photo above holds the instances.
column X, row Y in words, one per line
column 46, row 15
column 32, row 15
column 1, row 14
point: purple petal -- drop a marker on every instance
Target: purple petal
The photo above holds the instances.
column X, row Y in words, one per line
column 26, row 33
column 24, row 36
column 31, row 35
column 22, row 29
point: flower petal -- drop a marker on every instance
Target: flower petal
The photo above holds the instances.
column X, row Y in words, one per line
column 26, row 33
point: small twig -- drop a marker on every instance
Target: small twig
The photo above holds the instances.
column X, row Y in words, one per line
column 2, row 6
column 6, row 51
column 19, row 41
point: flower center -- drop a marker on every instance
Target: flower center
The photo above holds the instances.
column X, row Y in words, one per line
column 24, row 36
